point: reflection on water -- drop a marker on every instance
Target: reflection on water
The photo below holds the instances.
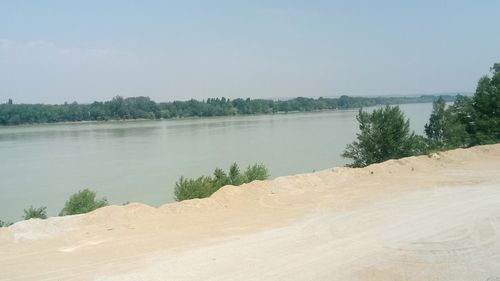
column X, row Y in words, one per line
column 141, row 160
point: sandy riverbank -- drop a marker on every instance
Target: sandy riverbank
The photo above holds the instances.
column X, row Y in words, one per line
column 418, row 218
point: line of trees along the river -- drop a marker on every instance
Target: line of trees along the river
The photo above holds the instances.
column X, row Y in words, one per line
column 120, row 108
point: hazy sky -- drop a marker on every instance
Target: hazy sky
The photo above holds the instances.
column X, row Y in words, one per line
column 56, row 51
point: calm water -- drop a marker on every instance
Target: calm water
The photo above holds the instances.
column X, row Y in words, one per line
column 140, row 161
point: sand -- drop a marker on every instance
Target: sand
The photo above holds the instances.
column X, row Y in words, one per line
column 418, row 218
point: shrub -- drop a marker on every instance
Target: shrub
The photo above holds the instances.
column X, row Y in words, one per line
column 205, row 186
column 220, row 178
column 82, row 202
column 193, row 188
column 32, row 212
column 4, row 223
column 235, row 176
column 256, row 172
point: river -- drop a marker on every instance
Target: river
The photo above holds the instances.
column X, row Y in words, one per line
column 140, row 161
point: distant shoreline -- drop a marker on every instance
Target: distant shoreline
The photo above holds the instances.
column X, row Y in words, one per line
column 83, row 122
column 143, row 108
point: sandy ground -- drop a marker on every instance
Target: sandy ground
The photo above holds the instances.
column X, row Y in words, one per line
column 418, row 218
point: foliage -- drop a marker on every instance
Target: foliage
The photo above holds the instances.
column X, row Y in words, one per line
column 486, row 105
column 256, row 172
column 82, row 202
column 205, row 186
column 193, row 188
column 4, row 224
column 444, row 129
column 120, row 108
column 468, row 121
column 437, row 122
column 32, row 212
column 384, row 134
column 235, row 177
column 221, row 178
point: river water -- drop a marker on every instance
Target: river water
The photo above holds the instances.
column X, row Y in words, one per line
column 140, row 161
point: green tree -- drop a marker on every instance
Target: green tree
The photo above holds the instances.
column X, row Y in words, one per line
column 486, row 105
column 32, row 212
column 82, row 202
column 437, row 123
column 384, row 134
column 444, row 129
column 464, row 112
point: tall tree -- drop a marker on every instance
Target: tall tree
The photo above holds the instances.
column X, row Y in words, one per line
column 444, row 129
column 486, row 104
column 437, row 123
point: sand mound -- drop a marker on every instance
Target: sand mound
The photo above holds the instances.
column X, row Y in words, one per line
column 342, row 215
column 252, row 193
column 39, row 229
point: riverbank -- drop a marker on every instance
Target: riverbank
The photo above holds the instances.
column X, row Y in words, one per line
column 417, row 218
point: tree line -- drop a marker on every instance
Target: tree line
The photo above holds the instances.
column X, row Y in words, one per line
column 120, row 108
column 385, row 133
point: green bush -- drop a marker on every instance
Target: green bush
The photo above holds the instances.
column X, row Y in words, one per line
column 193, row 188
column 82, row 202
column 32, row 212
column 384, row 134
column 4, row 223
column 235, row 177
column 256, row 172
column 205, row 186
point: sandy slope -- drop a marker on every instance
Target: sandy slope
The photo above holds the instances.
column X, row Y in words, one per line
column 419, row 218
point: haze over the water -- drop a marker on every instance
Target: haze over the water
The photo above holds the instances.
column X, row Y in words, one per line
column 57, row 51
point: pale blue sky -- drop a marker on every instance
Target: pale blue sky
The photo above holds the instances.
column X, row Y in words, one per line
column 56, row 51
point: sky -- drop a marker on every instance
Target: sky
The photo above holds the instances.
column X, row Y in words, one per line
column 58, row 51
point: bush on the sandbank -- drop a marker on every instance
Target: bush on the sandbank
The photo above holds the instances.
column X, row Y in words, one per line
column 82, row 202
column 32, row 212
column 4, row 223
column 205, row 186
